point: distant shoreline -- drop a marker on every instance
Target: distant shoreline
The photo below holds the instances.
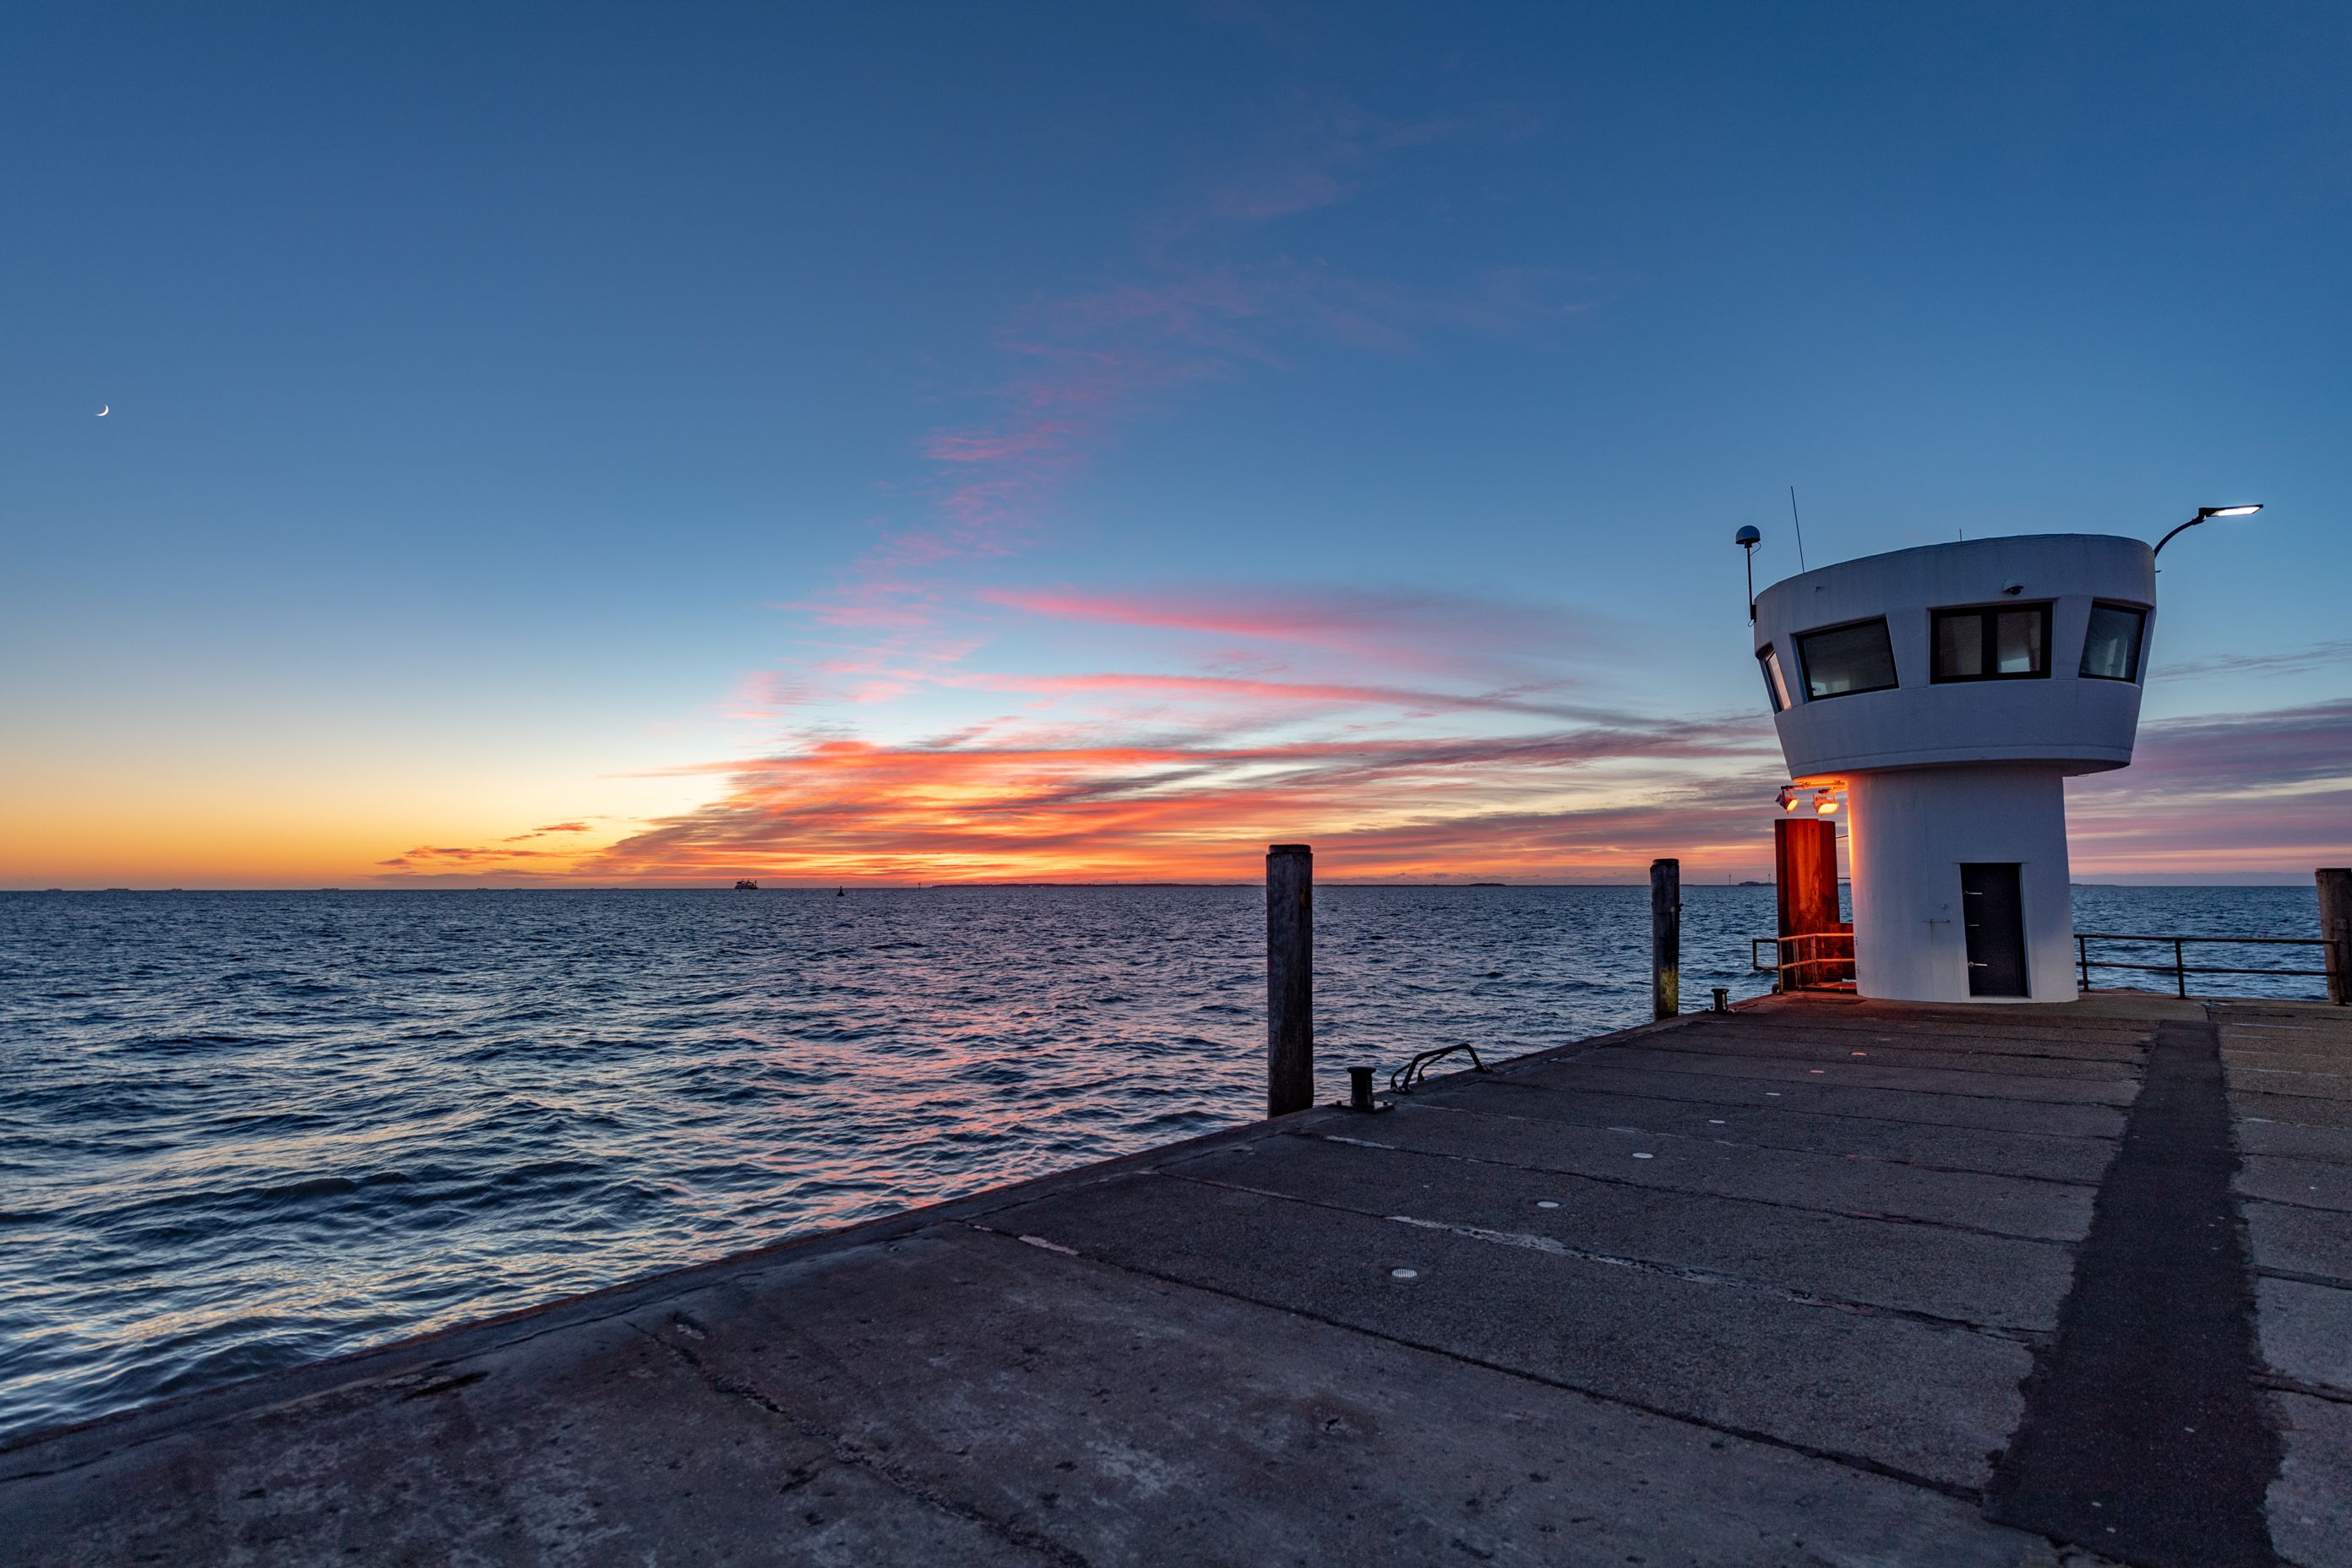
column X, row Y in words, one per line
column 2280, row 880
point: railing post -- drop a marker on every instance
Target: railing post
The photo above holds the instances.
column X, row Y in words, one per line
column 2083, row 958
column 2335, row 931
column 2179, row 970
column 1666, row 938
column 1289, row 978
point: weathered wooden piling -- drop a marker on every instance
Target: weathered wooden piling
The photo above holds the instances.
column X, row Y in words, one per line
column 2336, row 930
column 1666, row 938
column 1289, row 978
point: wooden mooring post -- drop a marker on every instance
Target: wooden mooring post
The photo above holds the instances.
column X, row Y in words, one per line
column 1289, row 978
column 2335, row 931
column 1666, row 938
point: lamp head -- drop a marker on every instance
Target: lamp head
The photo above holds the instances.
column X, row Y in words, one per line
column 2244, row 508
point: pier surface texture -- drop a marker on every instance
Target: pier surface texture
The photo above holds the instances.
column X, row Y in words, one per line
column 1817, row 1281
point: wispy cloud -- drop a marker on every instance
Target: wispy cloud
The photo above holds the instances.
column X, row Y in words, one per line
column 1321, row 151
column 1405, row 732
column 1352, row 620
column 465, row 857
column 1159, row 809
column 2319, row 656
column 2268, row 791
column 1196, row 304
column 1195, row 798
column 1310, row 694
column 2232, row 754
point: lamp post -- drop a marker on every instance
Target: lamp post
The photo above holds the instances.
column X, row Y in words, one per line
column 2203, row 513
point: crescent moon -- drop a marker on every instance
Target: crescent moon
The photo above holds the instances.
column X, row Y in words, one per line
column 102, row 413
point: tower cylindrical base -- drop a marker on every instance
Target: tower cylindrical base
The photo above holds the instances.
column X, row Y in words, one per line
column 1960, row 886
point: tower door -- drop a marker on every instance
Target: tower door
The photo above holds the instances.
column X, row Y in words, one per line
column 1993, row 913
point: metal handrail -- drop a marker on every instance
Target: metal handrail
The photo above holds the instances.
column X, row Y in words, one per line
column 2180, row 968
column 2279, row 941
column 1781, row 964
column 1754, row 941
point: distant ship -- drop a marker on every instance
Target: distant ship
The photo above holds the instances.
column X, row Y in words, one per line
column 747, row 886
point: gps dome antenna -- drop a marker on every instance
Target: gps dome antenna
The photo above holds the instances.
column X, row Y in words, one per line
column 1747, row 539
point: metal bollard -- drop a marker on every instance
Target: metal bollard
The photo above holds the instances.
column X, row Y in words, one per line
column 1722, row 999
column 1360, row 1089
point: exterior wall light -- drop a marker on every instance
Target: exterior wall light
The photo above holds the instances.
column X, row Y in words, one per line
column 1788, row 798
column 2203, row 513
column 1825, row 803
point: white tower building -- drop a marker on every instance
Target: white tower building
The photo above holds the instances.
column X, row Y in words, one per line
column 1949, row 691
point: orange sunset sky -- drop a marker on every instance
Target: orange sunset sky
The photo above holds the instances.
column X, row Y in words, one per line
column 978, row 452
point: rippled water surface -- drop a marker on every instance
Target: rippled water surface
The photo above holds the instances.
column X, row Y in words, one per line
column 239, row 1130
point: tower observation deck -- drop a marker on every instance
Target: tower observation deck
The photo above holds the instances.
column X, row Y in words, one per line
column 1949, row 690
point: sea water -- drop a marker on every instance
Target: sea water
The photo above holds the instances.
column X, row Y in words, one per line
column 241, row 1130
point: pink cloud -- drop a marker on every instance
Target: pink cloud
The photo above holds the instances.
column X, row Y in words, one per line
column 2268, row 791
column 1151, row 808
column 1453, row 633
column 1282, row 192
column 2319, row 656
column 1301, row 692
column 2233, row 753
column 426, row 857
column 2245, row 792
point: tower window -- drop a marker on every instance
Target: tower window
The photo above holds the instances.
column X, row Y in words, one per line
column 1776, row 685
column 1840, row 661
column 2111, row 652
column 2001, row 642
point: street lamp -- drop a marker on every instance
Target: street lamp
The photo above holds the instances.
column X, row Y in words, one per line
column 2203, row 513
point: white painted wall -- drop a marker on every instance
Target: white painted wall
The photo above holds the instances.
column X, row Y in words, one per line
column 2085, row 725
column 1938, row 776
column 1911, row 830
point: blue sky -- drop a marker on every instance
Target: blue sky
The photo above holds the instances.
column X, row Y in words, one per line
column 1099, row 439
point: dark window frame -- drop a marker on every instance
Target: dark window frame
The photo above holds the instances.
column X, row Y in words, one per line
column 1990, row 645
column 2139, row 639
column 1804, row 664
column 1777, row 689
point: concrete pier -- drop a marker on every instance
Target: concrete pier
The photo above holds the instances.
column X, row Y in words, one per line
column 1819, row 1281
